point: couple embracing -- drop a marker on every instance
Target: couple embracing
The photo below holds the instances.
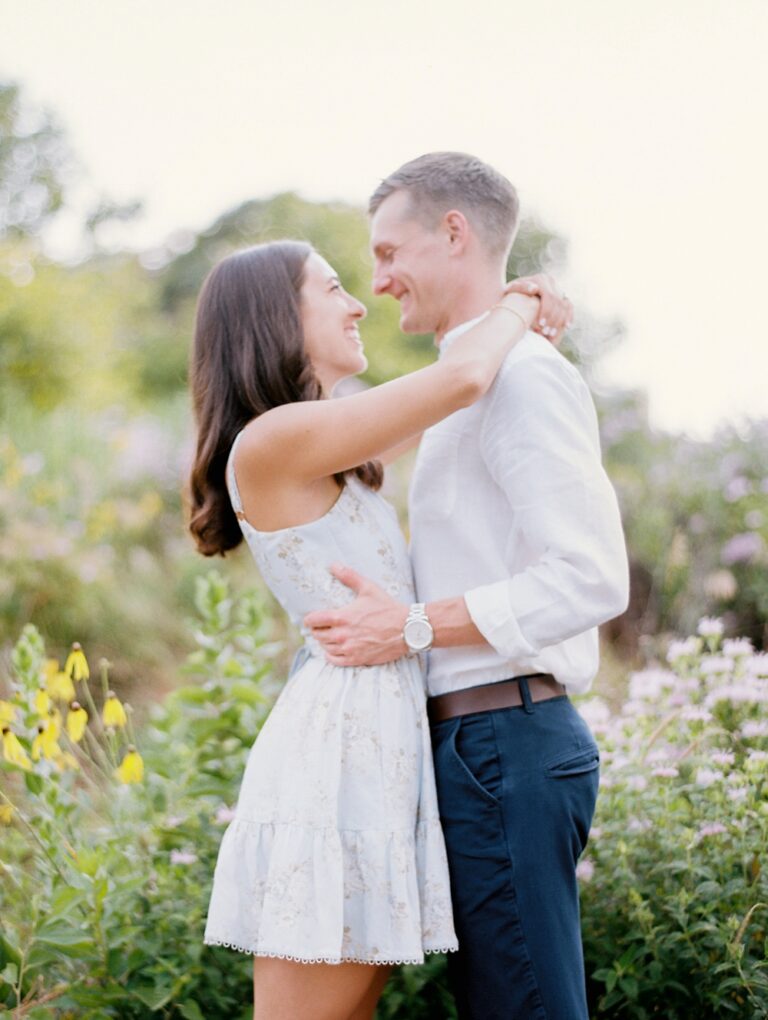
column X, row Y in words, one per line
column 423, row 783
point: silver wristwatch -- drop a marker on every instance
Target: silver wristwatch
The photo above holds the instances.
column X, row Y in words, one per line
column 417, row 630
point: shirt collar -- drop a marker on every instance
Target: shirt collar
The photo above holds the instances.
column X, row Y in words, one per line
column 452, row 334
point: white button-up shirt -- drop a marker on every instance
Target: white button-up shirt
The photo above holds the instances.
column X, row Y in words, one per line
column 511, row 508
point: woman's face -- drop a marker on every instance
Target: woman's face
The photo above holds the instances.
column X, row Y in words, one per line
column 329, row 317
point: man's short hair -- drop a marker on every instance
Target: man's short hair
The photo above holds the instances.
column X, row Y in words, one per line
column 440, row 181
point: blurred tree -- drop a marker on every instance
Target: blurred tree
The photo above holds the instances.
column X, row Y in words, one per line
column 696, row 519
column 107, row 211
column 34, row 160
column 68, row 334
column 339, row 232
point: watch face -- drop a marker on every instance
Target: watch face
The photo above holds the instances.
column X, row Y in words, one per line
column 418, row 634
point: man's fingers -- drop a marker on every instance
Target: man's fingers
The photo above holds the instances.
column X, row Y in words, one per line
column 338, row 659
column 348, row 577
column 331, row 642
column 320, row 619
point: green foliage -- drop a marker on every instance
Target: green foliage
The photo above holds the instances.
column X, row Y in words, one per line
column 696, row 520
column 675, row 892
column 68, row 335
column 106, row 885
column 418, row 993
column 91, row 535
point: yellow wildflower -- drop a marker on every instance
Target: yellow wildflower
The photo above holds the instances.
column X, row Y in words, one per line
column 54, row 720
column 6, row 814
column 114, row 713
column 132, row 768
column 13, row 751
column 7, row 712
column 77, row 664
column 42, row 700
column 77, row 717
column 50, row 668
column 66, row 760
column 45, row 743
column 60, row 686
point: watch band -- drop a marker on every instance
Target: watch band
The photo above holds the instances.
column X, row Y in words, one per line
column 418, row 611
column 417, row 614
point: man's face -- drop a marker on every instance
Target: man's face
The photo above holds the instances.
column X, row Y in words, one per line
column 411, row 263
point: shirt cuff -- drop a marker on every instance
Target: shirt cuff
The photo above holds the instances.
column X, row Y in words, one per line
column 490, row 610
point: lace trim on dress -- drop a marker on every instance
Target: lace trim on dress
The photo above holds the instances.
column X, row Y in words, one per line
column 328, row 959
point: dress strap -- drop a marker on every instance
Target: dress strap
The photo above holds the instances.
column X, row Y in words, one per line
column 234, row 492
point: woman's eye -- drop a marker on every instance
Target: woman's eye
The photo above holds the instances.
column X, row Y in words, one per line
column 336, row 286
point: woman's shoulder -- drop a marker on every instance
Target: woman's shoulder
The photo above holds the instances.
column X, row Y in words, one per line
column 259, row 440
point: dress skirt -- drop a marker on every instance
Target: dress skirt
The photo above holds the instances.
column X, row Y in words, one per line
column 336, row 852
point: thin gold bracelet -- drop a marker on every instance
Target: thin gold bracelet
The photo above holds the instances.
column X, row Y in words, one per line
column 506, row 308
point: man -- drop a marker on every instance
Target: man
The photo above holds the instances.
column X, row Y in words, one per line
column 518, row 555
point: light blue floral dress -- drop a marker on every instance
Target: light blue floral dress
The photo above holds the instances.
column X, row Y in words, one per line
column 336, row 851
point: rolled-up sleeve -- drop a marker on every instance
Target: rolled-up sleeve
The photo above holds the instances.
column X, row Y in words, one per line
column 540, row 442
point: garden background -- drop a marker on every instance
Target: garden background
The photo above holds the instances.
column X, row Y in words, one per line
column 105, row 869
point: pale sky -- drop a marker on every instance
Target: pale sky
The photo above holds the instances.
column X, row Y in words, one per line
column 636, row 131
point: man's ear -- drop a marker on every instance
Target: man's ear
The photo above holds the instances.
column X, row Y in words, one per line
column 456, row 230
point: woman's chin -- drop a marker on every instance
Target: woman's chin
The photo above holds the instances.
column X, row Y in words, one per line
column 361, row 364
column 346, row 383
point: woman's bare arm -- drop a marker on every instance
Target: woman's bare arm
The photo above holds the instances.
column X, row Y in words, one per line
column 391, row 455
column 309, row 440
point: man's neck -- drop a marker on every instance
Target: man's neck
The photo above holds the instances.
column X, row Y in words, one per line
column 470, row 304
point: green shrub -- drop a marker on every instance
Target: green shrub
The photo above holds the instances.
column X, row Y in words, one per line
column 675, row 894
column 105, row 882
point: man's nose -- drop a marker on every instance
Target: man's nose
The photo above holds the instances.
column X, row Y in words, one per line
column 381, row 282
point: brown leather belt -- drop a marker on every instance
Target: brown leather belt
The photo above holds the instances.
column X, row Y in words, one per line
column 487, row 697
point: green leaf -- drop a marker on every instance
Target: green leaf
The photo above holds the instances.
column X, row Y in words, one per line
column 248, row 693
column 62, row 901
column 629, row 986
column 154, row 996
column 63, row 936
column 191, row 1011
column 34, row 782
column 10, row 974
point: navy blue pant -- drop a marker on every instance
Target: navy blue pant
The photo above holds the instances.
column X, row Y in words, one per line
column 517, row 790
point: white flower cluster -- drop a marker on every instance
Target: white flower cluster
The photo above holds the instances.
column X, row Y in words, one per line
column 699, row 726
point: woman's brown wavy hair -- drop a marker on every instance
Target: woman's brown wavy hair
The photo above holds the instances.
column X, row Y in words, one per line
column 248, row 356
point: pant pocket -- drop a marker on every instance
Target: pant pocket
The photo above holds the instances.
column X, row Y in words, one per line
column 574, row 762
column 572, row 779
column 474, row 751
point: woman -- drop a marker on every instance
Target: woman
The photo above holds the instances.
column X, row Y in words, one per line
column 334, row 867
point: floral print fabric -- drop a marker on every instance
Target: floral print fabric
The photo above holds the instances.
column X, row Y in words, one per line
column 336, row 851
